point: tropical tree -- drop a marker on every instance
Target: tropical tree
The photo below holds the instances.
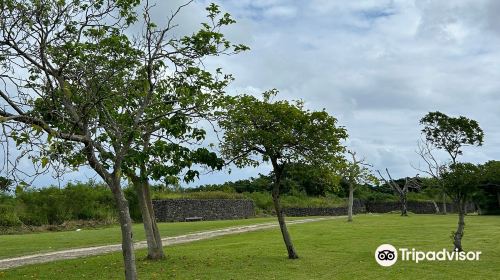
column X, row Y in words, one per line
column 82, row 88
column 282, row 133
column 449, row 134
column 460, row 182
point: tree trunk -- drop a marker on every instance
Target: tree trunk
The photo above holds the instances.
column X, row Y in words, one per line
column 444, row 204
column 435, row 207
column 126, row 230
column 281, row 220
column 153, row 238
column 457, row 238
column 350, row 203
column 404, row 207
column 156, row 231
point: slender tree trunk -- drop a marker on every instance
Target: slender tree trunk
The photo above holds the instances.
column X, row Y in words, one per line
column 113, row 182
column 457, row 238
column 444, row 204
column 404, row 207
column 292, row 254
column 278, row 172
column 126, row 230
column 153, row 238
column 350, row 203
column 156, row 231
column 435, row 207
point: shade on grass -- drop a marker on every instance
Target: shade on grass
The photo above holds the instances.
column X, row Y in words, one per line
column 332, row 249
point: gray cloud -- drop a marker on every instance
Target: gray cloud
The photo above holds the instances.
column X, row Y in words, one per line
column 378, row 66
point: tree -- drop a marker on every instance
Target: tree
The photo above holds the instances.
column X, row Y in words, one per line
column 409, row 183
column 309, row 179
column 449, row 134
column 460, row 182
column 166, row 160
column 282, row 133
column 165, row 145
column 355, row 173
column 433, row 168
column 90, row 91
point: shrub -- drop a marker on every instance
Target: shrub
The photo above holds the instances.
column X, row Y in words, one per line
column 262, row 200
column 8, row 216
column 54, row 206
column 198, row 195
column 133, row 204
column 87, row 201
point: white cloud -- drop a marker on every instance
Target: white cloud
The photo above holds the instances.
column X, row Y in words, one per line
column 378, row 66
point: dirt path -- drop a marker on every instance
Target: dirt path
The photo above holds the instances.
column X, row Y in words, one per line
column 99, row 250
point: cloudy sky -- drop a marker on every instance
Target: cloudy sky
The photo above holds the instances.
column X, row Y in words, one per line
column 378, row 66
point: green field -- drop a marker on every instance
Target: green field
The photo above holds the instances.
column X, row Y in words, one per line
column 332, row 249
column 23, row 244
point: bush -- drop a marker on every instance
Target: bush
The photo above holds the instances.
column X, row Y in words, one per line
column 198, row 195
column 133, row 203
column 8, row 216
column 262, row 200
column 54, row 206
column 88, row 201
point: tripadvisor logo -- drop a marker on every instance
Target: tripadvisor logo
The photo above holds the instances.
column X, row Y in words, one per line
column 387, row 255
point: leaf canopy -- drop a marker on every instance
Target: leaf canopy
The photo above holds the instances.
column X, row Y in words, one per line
column 280, row 131
column 450, row 133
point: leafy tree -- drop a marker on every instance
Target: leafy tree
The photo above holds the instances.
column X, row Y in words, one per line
column 282, row 133
column 460, row 182
column 449, row 134
column 165, row 145
column 96, row 94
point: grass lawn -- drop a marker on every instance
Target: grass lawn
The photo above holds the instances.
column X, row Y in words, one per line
column 332, row 249
column 23, row 244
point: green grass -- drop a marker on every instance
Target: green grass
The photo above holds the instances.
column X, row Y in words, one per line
column 332, row 249
column 23, row 244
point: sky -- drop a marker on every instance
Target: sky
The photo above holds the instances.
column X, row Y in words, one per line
column 377, row 66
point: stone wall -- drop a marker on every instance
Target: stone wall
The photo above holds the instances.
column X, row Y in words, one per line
column 169, row 210
column 417, row 207
column 357, row 207
column 420, row 207
column 318, row 211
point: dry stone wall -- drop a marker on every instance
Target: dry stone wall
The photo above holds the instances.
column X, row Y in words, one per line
column 170, row 210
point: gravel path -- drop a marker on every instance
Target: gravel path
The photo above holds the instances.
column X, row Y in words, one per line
column 99, row 250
